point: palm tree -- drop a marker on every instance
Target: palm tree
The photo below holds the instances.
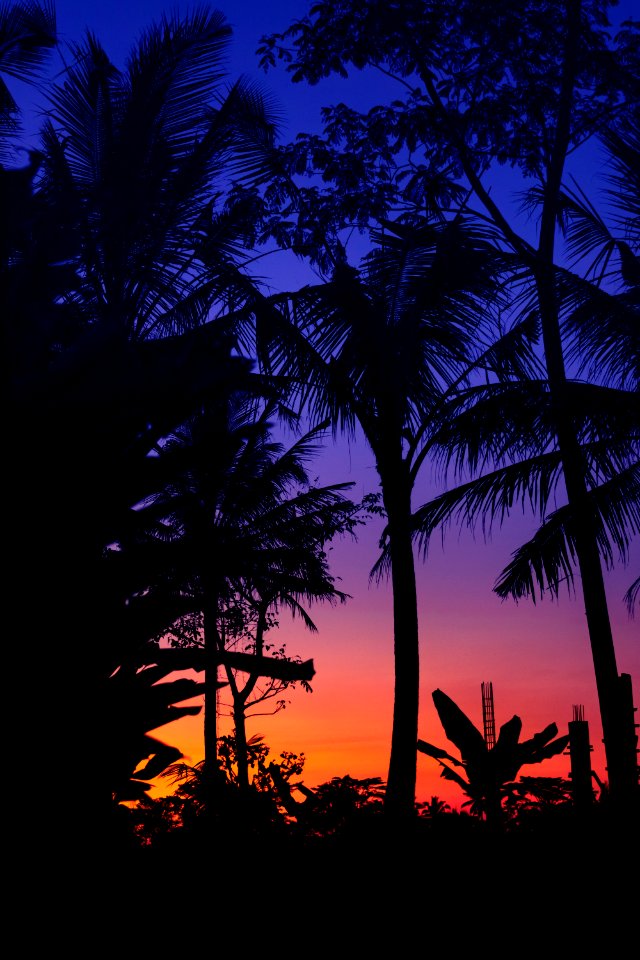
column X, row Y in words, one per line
column 541, row 262
column 505, row 435
column 249, row 531
column 113, row 269
column 379, row 349
column 525, row 89
column 434, row 807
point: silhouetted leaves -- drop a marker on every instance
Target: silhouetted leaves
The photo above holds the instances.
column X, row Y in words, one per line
column 489, row 771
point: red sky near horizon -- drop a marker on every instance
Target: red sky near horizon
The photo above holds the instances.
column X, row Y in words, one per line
column 537, row 656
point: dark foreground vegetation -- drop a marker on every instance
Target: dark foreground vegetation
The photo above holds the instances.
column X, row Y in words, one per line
column 347, row 815
column 338, row 865
column 501, row 815
column 157, row 523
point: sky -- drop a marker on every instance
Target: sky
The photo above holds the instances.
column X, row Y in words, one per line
column 537, row 656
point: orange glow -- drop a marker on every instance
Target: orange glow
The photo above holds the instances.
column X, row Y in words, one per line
column 537, row 657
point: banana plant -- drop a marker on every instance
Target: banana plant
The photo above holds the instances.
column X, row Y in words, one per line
column 145, row 693
column 490, row 772
column 142, row 698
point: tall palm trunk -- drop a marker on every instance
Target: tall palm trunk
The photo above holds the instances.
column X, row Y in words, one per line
column 621, row 764
column 401, row 781
column 619, row 742
column 619, row 748
column 211, row 773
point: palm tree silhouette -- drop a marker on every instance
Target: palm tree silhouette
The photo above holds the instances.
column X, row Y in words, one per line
column 379, row 349
column 113, row 269
column 506, row 433
column 542, row 107
column 249, row 530
column 434, row 806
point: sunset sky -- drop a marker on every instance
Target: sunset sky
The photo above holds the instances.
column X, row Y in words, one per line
column 537, row 656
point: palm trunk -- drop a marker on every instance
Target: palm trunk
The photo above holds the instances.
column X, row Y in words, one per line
column 401, row 781
column 619, row 747
column 618, row 739
column 210, row 724
column 621, row 762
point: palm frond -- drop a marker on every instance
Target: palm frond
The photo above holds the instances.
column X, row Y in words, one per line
column 488, row 424
column 247, row 119
column 145, row 150
column 382, row 567
column 622, row 143
column 27, row 36
column 174, row 73
column 588, row 237
column 601, row 317
column 512, row 353
column 602, row 331
column 632, row 595
column 548, row 559
column 28, row 32
column 491, row 497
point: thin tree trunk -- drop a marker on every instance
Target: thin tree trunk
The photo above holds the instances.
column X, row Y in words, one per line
column 242, row 760
column 240, row 698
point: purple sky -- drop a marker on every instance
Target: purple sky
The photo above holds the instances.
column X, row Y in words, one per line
column 537, row 657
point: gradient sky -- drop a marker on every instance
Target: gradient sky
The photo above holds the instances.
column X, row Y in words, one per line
column 537, row 656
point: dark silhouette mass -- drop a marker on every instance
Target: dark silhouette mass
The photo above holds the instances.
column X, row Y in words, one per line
column 157, row 524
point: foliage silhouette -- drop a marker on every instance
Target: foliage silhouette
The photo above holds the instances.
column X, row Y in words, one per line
column 434, row 807
column 114, row 266
column 526, row 88
column 28, row 34
column 140, row 703
column 240, row 818
column 490, row 772
column 248, row 530
column 115, row 262
column 143, row 695
column 377, row 349
column 518, row 452
column 340, row 808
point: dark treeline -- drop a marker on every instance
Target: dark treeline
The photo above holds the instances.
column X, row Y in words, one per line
column 157, row 522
